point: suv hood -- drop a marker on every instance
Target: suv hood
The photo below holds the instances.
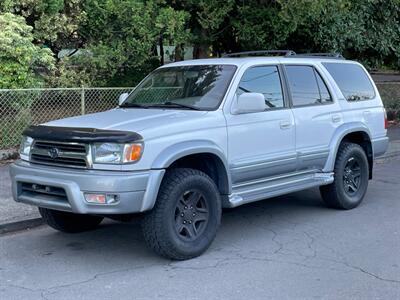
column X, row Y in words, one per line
column 130, row 119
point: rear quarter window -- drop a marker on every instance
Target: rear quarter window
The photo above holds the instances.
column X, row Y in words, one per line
column 352, row 81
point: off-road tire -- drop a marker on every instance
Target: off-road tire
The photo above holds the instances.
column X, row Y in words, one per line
column 334, row 194
column 160, row 224
column 69, row 222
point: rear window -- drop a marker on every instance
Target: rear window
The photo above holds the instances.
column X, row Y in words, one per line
column 352, row 81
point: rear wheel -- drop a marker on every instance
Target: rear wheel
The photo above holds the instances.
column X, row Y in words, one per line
column 351, row 178
column 186, row 216
column 69, row 222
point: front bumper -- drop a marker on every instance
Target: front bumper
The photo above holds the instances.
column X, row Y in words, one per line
column 136, row 191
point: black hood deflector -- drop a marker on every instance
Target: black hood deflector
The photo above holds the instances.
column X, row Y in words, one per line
column 81, row 135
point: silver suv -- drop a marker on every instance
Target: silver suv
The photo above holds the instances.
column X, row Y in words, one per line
column 196, row 136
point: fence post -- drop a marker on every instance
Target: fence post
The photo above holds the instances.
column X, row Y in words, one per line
column 82, row 101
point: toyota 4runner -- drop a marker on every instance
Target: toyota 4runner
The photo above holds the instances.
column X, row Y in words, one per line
column 197, row 136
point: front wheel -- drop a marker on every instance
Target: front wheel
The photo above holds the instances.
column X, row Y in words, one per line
column 351, row 178
column 186, row 216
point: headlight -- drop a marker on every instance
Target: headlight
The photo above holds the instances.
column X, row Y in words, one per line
column 25, row 147
column 110, row 153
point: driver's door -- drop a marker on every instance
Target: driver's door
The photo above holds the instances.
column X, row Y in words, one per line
column 262, row 144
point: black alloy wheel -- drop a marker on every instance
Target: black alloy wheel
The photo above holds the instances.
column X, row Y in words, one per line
column 191, row 215
column 352, row 176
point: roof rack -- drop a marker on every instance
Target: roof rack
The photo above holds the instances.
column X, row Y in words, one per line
column 285, row 53
column 262, row 53
column 324, row 55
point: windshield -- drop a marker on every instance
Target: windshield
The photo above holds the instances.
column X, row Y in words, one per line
column 199, row 87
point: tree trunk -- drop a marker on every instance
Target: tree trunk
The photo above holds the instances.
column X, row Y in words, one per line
column 200, row 51
column 161, row 49
column 179, row 55
column 201, row 48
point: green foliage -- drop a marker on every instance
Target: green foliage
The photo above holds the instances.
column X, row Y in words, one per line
column 120, row 39
column 117, row 39
column 170, row 23
column 22, row 63
column 361, row 29
column 262, row 28
column 55, row 22
column 209, row 24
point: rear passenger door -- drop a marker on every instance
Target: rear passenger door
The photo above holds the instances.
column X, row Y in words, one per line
column 262, row 144
column 316, row 115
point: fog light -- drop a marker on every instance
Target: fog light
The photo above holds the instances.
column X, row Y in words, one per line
column 101, row 198
column 96, row 198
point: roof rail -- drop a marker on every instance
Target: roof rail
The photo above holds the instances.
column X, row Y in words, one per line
column 320, row 55
column 262, row 53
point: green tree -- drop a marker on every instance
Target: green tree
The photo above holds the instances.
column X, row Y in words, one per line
column 22, row 63
column 55, row 23
column 210, row 24
column 121, row 36
column 170, row 27
column 360, row 29
column 115, row 41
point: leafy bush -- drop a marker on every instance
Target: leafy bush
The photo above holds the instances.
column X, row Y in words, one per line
column 114, row 42
column 22, row 63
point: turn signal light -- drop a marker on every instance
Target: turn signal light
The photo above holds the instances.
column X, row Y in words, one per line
column 133, row 152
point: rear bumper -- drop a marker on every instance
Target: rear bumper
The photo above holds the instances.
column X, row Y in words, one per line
column 380, row 146
column 136, row 191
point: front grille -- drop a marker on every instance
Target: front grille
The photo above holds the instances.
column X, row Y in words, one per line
column 72, row 155
column 78, row 148
column 43, row 191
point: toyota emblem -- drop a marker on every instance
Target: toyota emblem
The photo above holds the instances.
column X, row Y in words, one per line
column 53, row 153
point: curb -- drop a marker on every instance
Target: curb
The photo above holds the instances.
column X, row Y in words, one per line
column 383, row 159
column 8, row 154
column 20, row 225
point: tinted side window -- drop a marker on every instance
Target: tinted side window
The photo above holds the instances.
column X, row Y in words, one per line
column 306, row 86
column 325, row 96
column 264, row 80
column 352, row 81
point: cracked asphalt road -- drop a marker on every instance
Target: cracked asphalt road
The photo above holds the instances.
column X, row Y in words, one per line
column 289, row 247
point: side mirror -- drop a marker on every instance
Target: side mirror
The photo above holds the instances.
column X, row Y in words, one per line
column 122, row 98
column 249, row 103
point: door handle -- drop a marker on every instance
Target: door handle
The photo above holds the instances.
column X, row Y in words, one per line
column 336, row 118
column 285, row 125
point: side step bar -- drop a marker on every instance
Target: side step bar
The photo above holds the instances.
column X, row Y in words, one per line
column 256, row 190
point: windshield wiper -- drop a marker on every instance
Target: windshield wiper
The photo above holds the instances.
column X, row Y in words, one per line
column 176, row 104
column 136, row 105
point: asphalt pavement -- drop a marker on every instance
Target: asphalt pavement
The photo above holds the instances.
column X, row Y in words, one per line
column 290, row 247
column 394, row 133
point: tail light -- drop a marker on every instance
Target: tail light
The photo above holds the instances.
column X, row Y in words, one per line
column 386, row 119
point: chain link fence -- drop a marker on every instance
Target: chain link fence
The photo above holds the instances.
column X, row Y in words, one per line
column 20, row 108
column 390, row 93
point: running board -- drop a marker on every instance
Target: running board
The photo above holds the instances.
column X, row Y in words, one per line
column 256, row 190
